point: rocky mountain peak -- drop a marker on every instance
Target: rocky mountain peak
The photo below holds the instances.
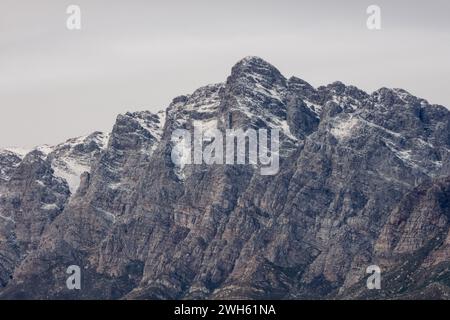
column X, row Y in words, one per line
column 253, row 71
column 8, row 162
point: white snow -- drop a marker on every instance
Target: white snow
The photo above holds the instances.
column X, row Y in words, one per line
column 52, row 206
column 70, row 169
column 104, row 139
column 101, row 139
column 284, row 127
column 45, row 149
column 67, row 166
column 371, row 124
column 316, row 108
column 115, row 186
column 208, row 106
column 7, row 218
column 272, row 120
column 424, row 143
column 110, row 216
column 152, row 126
column 162, row 119
column 21, row 152
column 402, row 94
column 404, row 155
column 273, row 93
column 344, row 128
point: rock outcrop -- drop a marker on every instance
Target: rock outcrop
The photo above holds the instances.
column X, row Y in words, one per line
column 363, row 180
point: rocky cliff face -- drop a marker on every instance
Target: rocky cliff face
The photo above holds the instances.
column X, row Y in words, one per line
column 362, row 181
column 34, row 190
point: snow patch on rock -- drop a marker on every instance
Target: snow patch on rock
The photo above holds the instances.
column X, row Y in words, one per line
column 343, row 129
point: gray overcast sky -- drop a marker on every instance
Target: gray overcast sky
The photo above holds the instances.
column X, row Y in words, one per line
column 138, row 55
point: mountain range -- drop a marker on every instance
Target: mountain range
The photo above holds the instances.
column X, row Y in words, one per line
column 364, row 179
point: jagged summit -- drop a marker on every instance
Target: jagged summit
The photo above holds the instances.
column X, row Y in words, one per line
column 255, row 69
column 253, row 61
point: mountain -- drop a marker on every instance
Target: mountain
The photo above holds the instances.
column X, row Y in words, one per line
column 363, row 180
column 35, row 186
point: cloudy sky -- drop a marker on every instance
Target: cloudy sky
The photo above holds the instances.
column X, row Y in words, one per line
column 138, row 55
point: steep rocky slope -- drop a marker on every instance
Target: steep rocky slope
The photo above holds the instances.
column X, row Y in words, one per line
column 351, row 191
column 34, row 189
column 414, row 246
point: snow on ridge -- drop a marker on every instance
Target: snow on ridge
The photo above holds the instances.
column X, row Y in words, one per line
column 274, row 93
column 402, row 94
column 284, row 126
column 148, row 123
column 344, row 128
column 154, row 127
column 100, row 138
column 314, row 107
column 67, row 163
column 255, row 60
column 103, row 140
column 373, row 125
column 109, row 215
column 7, row 218
column 20, row 152
column 205, row 99
column 49, row 207
column 8, row 161
column 70, row 169
column 162, row 118
column 70, row 165
column 45, row 149
column 404, row 155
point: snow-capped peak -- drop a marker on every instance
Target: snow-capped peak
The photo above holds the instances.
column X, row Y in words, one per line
column 75, row 156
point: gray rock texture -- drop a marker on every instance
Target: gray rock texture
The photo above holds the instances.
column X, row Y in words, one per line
column 363, row 180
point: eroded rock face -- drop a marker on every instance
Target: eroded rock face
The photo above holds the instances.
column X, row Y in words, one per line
column 361, row 182
column 29, row 201
column 34, row 190
column 413, row 246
